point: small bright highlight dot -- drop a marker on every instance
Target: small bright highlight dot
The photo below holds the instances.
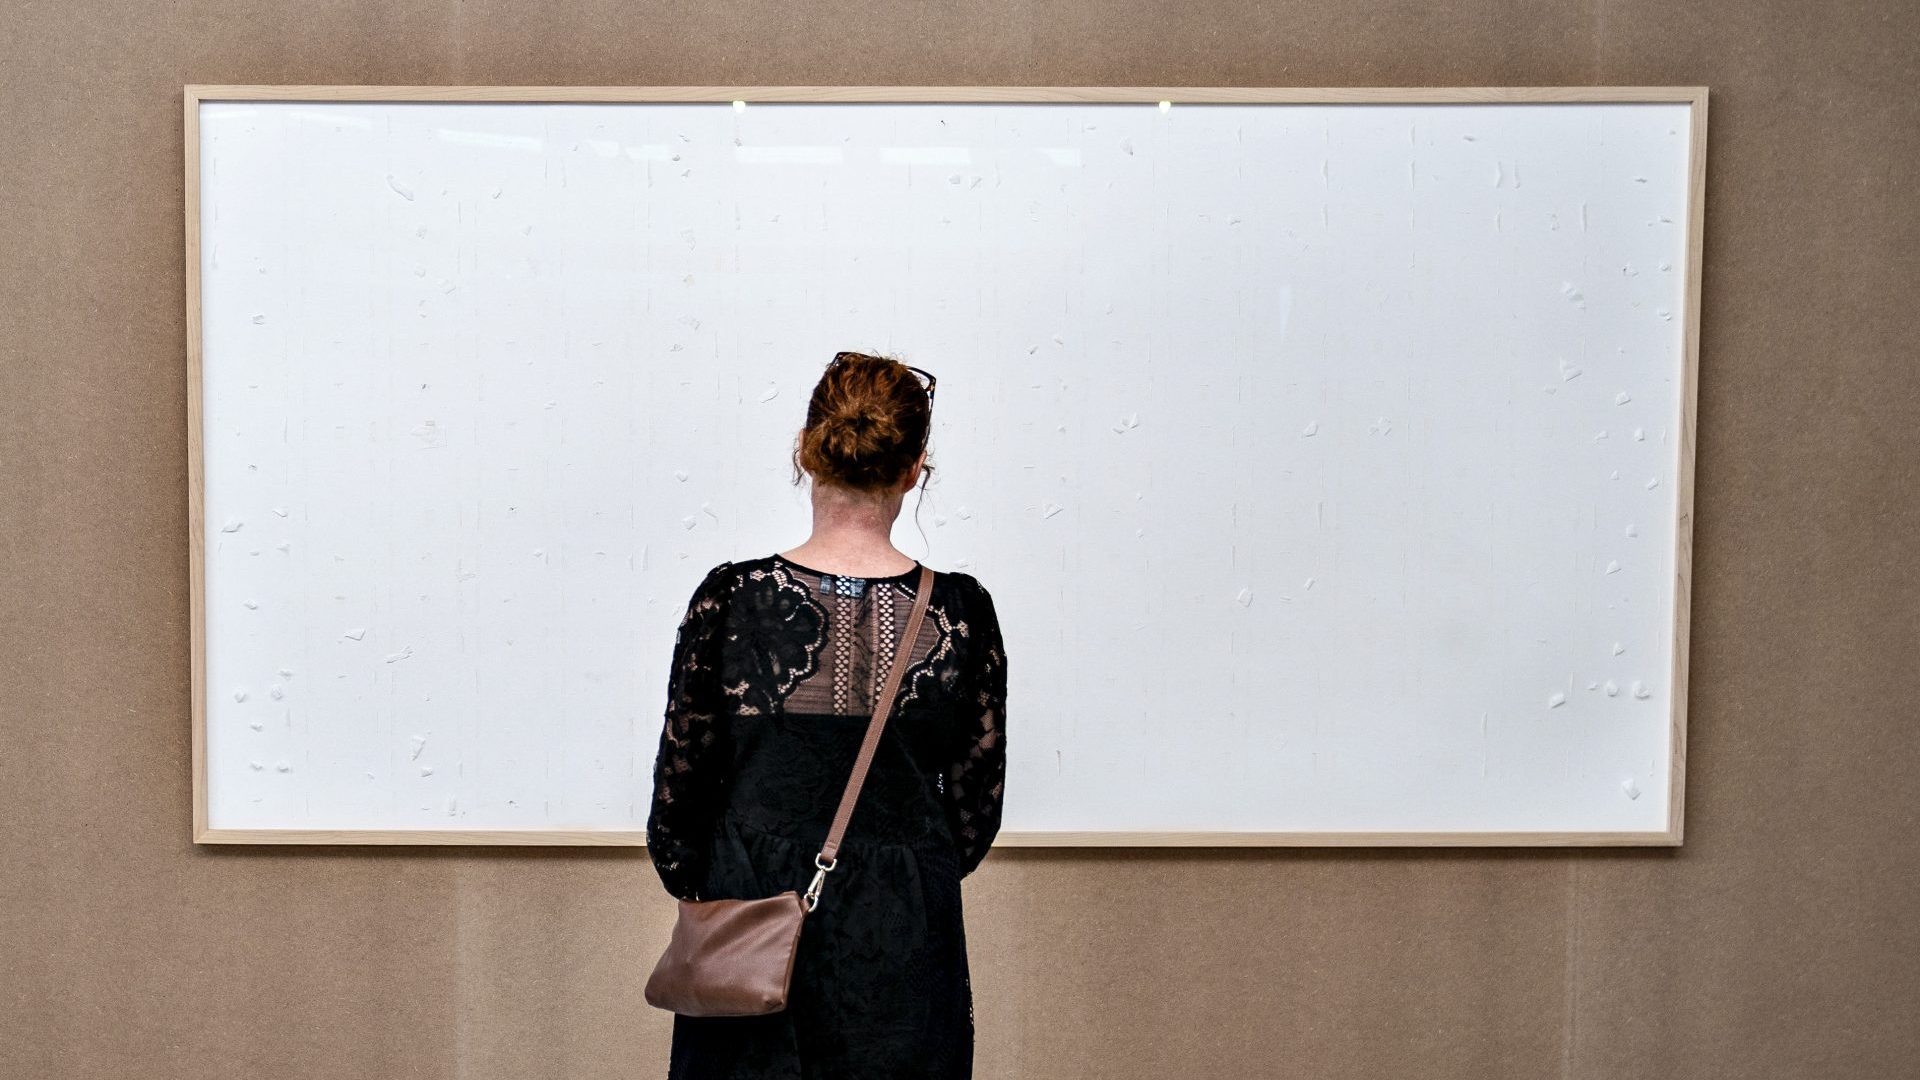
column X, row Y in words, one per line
column 1165, row 105
column 739, row 106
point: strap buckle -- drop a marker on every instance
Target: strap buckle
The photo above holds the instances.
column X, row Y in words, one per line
column 819, row 879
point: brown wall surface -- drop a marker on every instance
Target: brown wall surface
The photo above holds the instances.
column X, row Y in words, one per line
column 1783, row 939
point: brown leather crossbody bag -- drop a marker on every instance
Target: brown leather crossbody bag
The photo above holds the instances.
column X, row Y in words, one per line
column 735, row 957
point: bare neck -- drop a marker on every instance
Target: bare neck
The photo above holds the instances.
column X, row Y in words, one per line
column 852, row 535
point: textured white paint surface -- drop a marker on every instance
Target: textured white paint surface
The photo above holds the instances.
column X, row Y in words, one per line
column 1321, row 459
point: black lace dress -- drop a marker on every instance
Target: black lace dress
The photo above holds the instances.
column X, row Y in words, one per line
column 775, row 674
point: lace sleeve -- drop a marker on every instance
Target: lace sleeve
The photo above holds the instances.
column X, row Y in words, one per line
column 975, row 782
column 691, row 769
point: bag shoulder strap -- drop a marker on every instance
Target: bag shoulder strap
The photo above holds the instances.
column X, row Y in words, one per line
column 829, row 852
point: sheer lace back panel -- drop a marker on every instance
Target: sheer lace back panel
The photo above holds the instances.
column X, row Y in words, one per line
column 852, row 648
column 771, row 648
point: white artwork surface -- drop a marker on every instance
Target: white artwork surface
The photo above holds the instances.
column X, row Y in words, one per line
column 1323, row 460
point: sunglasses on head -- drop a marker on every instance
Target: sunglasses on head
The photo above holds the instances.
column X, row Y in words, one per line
column 926, row 377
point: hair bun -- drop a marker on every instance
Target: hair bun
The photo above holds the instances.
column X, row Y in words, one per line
column 867, row 417
column 855, row 438
column 867, row 423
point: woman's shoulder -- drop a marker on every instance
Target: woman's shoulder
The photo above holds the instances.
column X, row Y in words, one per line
column 968, row 584
column 714, row 589
column 961, row 586
column 720, row 577
column 969, row 596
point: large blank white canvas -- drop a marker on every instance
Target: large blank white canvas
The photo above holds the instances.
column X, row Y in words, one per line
column 1322, row 459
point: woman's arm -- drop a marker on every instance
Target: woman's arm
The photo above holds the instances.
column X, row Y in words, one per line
column 975, row 782
column 694, row 762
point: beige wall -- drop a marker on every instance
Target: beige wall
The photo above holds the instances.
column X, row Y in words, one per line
column 1783, row 940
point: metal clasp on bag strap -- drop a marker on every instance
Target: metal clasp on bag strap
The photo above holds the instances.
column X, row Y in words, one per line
column 819, row 879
